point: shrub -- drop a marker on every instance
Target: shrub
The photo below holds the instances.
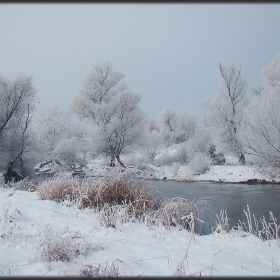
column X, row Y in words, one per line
column 199, row 164
column 53, row 246
column 24, row 185
column 167, row 157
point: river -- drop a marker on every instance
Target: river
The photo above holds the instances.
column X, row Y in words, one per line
column 232, row 197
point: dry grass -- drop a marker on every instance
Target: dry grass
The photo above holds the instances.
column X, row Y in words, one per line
column 120, row 197
column 115, row 188
column 100, row 270
column 180, row 212
column 264, row 230
column 59, row 188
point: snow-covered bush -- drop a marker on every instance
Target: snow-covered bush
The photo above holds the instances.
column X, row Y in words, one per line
column 8, row 223
column 175, row 166
column 59, row 246
column 199, row 164
column 176, row 153
column 136, row 159
column 24, row 185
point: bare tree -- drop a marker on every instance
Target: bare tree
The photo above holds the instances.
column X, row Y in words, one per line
column 224, row 112
column 176, row 128
column 106, row 101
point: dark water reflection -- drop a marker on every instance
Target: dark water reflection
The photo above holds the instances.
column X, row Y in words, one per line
column 261, row 198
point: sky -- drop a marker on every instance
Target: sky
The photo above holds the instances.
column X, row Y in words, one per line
column 167, row 52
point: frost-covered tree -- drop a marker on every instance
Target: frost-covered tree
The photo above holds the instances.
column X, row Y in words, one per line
column 105, row 101
column 168, row 120
column 260, row 130
column 63, row 140
column 52, row 126
column 224, row 111
column 17, row 99
column 176, row 128
column 271, row 73
column 73, row 152
column 152, row 141
column 186, row 127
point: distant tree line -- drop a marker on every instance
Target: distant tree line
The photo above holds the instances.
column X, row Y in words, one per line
column 105, row 118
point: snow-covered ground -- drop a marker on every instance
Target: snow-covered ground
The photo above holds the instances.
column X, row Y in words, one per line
column 33, row 230
column 217, row 173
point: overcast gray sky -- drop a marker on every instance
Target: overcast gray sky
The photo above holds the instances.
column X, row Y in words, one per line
column 167, row 52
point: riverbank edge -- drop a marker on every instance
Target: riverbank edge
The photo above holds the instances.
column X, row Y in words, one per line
column 249, row 181
column 231, row 174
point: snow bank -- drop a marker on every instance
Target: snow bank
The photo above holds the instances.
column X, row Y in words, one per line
column 132, row 249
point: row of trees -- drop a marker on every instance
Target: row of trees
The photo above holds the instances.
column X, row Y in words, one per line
column 104, row 117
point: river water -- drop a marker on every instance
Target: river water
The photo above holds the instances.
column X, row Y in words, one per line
column 232, row 197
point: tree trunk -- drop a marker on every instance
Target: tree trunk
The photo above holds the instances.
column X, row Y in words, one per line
column 112, row 164
column 120, row 162
column 242, row 159
column 11, row 174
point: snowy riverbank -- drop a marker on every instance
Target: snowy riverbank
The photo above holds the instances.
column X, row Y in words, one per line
column 216, row 173
column 32, row 230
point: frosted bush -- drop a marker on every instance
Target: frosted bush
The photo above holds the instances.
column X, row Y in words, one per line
column 167, row 157
column 53, row 246
column 24, row 185
column 136, row 159
column 8, row 222
column 199, row 164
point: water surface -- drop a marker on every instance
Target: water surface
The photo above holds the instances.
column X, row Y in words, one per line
column 232, row 197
